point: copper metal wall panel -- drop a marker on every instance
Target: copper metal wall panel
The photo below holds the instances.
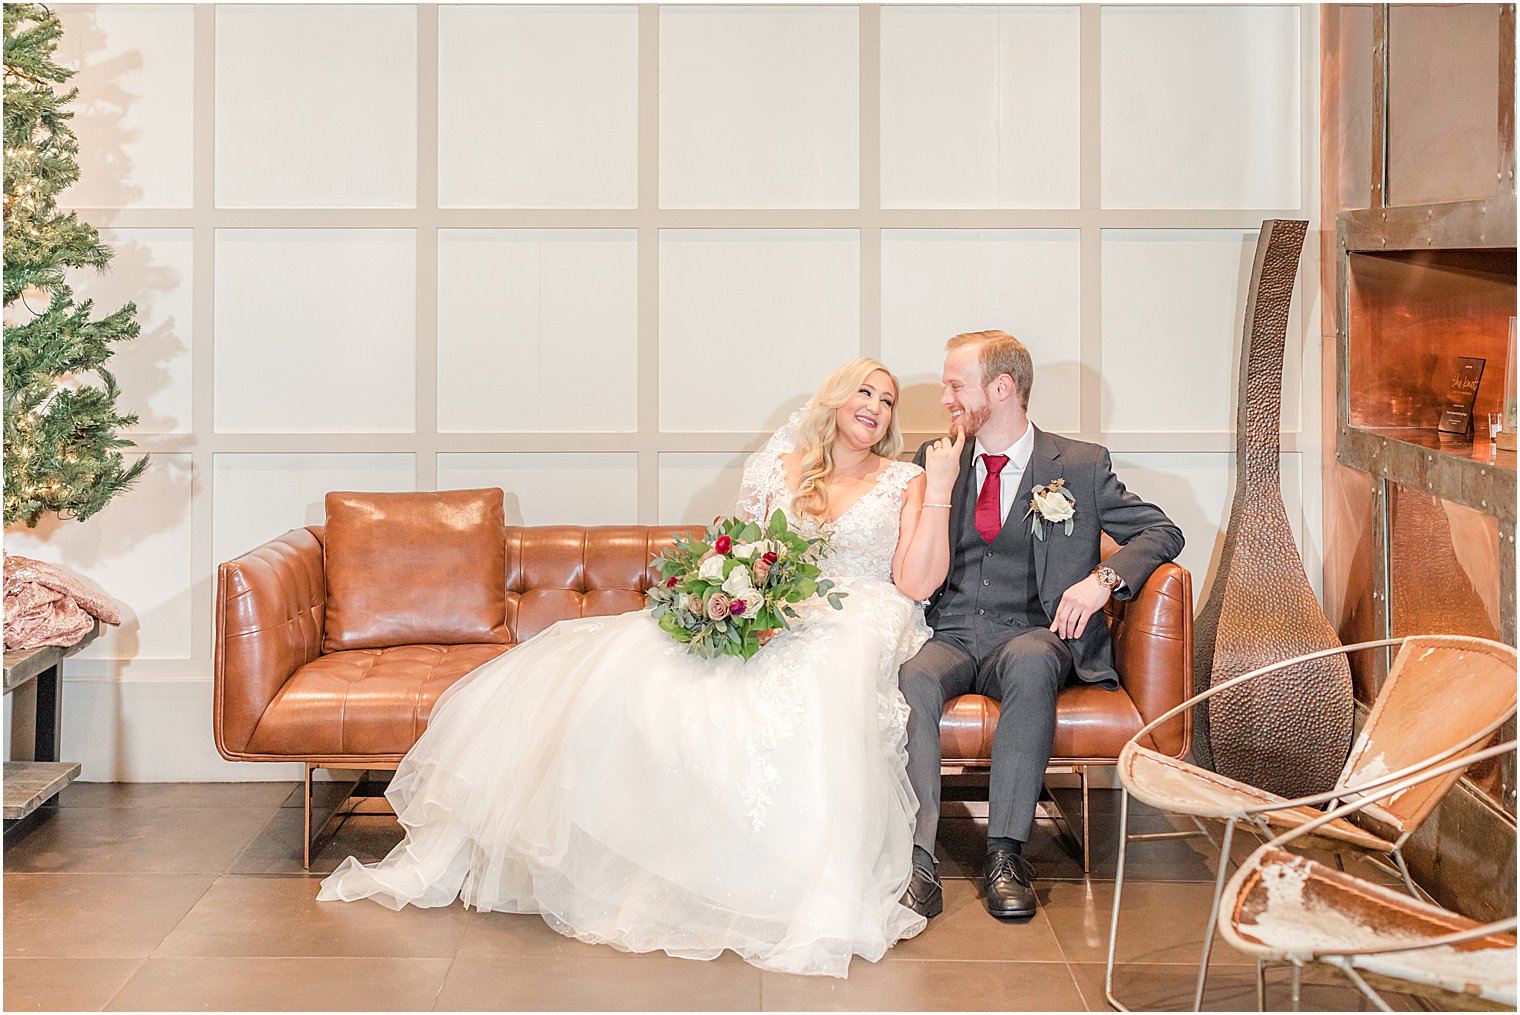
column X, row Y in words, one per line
column 1443, row 113
column 1411, row 314
column 1346, row 106
column 1443, row 565
column 1348, row 578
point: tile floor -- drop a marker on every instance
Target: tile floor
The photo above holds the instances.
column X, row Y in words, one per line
column 191, row 896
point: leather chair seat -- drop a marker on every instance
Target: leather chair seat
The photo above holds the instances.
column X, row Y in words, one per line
column 1091, row 724
column 366, row 702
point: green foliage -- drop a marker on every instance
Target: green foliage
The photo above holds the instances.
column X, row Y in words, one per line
column 61, row 421
column 790, row 574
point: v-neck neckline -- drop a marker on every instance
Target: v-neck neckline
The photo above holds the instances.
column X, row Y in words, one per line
column 781, row 469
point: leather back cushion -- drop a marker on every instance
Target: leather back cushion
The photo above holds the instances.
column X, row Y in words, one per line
column 415, row 569
column 561, row 572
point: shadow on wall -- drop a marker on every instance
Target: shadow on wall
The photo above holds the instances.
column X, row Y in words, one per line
column 98, row 112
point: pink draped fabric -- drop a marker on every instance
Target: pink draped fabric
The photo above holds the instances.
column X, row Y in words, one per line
column 46, row 605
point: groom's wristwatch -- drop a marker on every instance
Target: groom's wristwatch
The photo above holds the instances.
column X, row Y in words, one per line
column 1107, row 577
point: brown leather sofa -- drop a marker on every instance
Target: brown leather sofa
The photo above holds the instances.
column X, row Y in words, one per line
column 280, row 698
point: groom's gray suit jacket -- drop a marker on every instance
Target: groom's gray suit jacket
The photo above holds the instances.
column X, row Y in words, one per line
column 1146, row 536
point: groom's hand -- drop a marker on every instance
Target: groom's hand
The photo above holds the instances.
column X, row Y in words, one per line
column 1078, row 604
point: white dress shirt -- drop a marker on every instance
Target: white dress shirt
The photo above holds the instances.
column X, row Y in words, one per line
column 1013, row 473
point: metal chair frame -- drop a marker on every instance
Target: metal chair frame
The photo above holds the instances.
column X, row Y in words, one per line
column 1255, row 816
column 1340, row 957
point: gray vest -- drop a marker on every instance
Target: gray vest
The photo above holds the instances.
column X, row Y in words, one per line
column 993, row 582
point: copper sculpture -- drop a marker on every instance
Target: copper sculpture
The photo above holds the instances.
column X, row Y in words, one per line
column 1289, row 735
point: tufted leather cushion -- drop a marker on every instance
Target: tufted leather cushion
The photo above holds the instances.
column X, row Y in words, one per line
column 415, row 569
column 363, row 702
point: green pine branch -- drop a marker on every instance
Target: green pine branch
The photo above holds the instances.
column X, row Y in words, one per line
column 62, row 426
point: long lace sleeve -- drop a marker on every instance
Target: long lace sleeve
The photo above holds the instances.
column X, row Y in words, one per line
column 754, row 490
column 758, row 496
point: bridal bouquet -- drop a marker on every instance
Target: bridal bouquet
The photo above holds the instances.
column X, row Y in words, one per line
column 728, row 592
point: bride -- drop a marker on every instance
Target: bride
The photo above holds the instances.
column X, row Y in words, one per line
column 639, row 796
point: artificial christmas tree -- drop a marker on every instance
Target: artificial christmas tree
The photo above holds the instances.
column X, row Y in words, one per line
column 61, row 421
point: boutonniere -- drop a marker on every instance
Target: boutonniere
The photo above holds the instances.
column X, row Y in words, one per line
column 1053, row 503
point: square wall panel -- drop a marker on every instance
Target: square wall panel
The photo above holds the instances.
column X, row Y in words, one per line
column 1201, row 107
column 697, row 487
column 759, row 107
column 135, row 70
column 980, row 107
column 316, row 330
column 751, row 322
column 154, row 269
column 258, row 497
column 538, row 107
column 936, row 283
column 1173, row 303
column 551, row 488
column 1196, row 490
column 537, row 330
column 137, row 549
column 316, row 106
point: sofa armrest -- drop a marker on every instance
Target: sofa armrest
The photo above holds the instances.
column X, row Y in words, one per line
column 1153, row 652
column 269, row 609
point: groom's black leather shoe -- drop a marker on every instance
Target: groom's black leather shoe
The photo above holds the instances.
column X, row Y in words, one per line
column 1007, row 885
column 924, row 895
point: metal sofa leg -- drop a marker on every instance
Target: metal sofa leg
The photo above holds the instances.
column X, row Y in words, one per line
column 306, row 818
column 1086, row 838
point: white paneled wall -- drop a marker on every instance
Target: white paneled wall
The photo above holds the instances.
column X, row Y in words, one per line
column 316, row 106
column 759, row 107
column 537, row 330
column 980, row 107
column 593, row 254
column 939, row 282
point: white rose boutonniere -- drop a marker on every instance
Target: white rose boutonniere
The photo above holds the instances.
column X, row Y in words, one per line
column 1053, row 503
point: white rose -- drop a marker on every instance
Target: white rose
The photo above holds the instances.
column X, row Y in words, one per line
column 1053, row 507
column 744, row 551
column 752, row 605
column 712, row 568
column 740, row 585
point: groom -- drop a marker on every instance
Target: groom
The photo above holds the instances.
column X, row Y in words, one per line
column 1018, row 616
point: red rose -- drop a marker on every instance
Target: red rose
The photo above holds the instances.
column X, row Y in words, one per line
column 737, row 607
column 770, row 557
column 723, row 544
column 670, row 583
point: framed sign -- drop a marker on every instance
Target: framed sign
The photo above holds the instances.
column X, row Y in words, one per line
column 1456, row 415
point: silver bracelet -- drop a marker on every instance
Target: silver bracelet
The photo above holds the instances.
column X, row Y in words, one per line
column 945, row 506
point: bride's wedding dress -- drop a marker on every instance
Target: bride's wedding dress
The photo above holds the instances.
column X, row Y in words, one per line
column 642, row 797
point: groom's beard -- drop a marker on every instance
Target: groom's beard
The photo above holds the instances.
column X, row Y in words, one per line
column 973, row 420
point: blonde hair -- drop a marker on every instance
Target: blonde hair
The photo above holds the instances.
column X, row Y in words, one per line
column 1000, row 353
column 819, row 427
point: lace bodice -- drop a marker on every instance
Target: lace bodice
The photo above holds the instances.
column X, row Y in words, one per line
column 862, row 541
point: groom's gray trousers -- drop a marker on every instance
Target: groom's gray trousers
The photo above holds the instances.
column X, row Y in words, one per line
column 1022, row 667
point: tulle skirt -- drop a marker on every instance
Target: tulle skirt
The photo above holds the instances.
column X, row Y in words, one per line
column 641, row 797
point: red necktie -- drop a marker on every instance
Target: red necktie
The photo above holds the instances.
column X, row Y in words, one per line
column 989, row 503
